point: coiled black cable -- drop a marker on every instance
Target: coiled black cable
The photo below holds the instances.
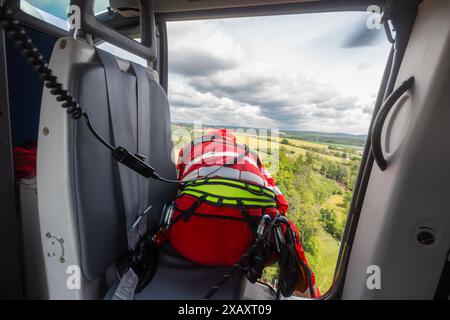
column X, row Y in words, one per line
column 23, row 42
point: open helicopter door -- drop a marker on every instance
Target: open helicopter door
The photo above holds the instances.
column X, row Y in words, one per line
column 401, row 242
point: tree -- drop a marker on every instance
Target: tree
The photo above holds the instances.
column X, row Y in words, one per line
column 309, row 158
column 285, row 142
column 331, row 223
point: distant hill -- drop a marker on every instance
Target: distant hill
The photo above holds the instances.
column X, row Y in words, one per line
column 327, row 137
column 314, row 136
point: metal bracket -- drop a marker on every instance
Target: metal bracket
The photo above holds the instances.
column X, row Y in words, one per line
column 387, row 10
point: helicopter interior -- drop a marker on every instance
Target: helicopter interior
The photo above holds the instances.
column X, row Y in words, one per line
column 69, row 215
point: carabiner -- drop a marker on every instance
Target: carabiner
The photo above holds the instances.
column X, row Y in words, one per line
column 262, row 224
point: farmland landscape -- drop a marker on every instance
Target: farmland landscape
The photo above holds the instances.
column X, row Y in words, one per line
column 316, row 173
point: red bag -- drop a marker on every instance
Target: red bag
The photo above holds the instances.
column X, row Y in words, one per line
column 25, row 161
column 219, row 235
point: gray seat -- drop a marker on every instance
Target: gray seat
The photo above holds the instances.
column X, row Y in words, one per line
column 98, row 195
column 180, row 279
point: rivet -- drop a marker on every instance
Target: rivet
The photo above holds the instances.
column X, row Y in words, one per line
column 45, row 131
column 62, row 260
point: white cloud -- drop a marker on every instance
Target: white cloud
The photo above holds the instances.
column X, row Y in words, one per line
column 200, row 48
column 287, row 72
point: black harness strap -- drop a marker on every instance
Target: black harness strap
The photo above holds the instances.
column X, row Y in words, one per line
column 189, row 212
column 143, row 130
column 250, row 221
column 124, row 137
column 246, row 186
column 206, row 194
column 137, row 267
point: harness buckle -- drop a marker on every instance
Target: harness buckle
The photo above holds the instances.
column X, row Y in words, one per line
column 278, row 238
column 138, row 229
column 165, row 222
column 141, row 257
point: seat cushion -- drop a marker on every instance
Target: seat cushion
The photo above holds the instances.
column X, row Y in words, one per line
column 180, row 279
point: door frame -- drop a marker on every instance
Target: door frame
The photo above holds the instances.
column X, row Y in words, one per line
column 402, row 17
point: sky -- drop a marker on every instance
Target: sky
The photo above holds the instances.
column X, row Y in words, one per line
column 293, row 72
column 58, row 8
column 300, row 72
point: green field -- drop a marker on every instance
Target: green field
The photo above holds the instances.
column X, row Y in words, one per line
column 326, row 264
column 317, row 179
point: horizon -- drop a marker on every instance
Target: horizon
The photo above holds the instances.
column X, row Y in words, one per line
column 362, row 135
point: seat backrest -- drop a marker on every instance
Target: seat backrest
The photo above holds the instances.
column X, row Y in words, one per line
column 99, row 199
column 80, row 198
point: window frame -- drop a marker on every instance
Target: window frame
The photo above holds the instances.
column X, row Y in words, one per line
column 402, row 21
column 35, row 23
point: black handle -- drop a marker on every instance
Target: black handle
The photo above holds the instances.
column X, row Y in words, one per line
column 90, row 25
column 381, row 117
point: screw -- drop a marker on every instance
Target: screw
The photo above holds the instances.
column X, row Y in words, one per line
column 62, row 260
column 48, row 235
column 46, row 131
